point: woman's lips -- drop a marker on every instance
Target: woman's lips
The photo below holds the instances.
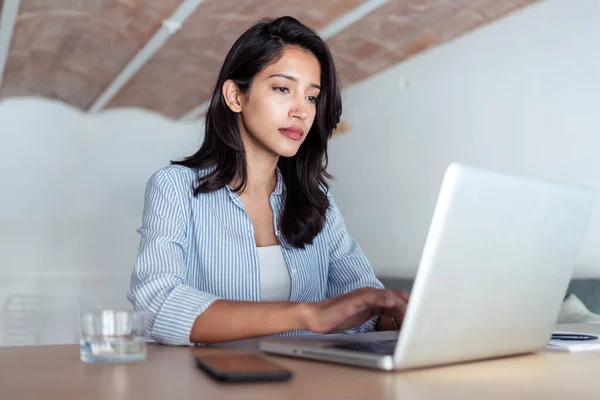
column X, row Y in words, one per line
column 292, row 133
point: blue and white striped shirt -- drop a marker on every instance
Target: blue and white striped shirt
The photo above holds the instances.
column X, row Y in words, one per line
column 195, row 250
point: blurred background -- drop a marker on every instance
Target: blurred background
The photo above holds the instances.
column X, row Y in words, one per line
column 95, row 95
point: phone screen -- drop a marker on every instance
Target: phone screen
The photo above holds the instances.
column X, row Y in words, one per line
column 240, row 364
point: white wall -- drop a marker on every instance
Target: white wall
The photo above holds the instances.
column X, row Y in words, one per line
column 72, row 193
column 521, row 95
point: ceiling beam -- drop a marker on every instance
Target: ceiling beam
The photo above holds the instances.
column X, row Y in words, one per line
column 169, row 27
column 336, row 26
column 350, row 17
column 10, row 10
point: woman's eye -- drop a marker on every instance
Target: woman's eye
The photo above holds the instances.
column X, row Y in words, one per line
column 282, row 89
column 312, row 99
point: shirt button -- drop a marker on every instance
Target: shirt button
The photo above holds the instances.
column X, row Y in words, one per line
column 277, row 233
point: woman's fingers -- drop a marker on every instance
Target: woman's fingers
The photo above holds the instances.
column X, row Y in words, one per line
column 356, row 307
column 399, row 310
column 376, row 300
column 403, row 294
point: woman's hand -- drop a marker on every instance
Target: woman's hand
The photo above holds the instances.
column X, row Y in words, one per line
column 353, row 309
column 394, row 322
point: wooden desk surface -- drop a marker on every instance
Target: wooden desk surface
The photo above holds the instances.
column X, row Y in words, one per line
column 55, row 372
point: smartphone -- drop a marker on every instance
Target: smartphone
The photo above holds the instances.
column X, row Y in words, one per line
column 242, row 368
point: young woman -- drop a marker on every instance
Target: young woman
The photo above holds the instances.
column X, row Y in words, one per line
column 242, row 239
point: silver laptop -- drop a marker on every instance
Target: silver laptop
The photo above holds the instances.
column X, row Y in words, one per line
column 497, row 262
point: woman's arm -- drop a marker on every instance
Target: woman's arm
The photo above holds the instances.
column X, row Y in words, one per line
column 227, row 320
column 233, row 320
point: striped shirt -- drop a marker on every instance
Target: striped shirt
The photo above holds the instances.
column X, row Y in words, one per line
column 195, row 250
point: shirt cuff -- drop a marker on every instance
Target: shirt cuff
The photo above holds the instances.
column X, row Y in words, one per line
column 176, row 318
column 368, row 326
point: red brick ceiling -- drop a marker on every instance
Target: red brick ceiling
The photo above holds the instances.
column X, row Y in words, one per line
column 71, row 50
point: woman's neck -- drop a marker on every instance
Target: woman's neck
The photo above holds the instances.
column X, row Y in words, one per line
column 262, row 178
column 261, row 165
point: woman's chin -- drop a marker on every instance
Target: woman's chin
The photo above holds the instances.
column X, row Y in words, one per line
column 287, row 151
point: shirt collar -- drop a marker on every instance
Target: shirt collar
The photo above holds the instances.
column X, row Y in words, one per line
column 279, row 186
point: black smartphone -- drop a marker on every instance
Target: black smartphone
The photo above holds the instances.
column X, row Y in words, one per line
column 242, row 368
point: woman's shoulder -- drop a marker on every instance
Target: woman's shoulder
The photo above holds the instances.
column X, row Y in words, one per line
column 175, row 175
column 181, row 179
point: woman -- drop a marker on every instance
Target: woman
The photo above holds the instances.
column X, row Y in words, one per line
column 242, row 239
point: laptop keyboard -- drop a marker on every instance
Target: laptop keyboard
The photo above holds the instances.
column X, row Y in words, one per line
column 380, row 347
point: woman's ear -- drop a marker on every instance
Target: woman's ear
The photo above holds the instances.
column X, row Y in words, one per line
column 232, row 95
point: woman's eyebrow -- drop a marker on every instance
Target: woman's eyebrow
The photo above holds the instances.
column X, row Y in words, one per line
column 292, row 78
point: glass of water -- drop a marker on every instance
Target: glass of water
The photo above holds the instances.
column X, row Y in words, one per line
column 113, row 336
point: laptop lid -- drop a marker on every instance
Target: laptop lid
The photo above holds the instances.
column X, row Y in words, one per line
column 496, row 265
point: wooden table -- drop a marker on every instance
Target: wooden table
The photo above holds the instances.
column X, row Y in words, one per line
column 169, row 373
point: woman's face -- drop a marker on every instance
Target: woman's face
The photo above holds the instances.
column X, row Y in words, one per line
column 278, row 110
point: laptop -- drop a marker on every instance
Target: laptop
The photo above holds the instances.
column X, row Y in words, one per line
column 497, row 262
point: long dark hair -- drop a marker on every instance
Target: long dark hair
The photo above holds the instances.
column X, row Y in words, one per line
column 222, row 152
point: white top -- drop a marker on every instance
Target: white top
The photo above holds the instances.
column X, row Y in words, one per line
column 275, row 283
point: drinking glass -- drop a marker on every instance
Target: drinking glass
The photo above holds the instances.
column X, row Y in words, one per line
column 113, row 336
